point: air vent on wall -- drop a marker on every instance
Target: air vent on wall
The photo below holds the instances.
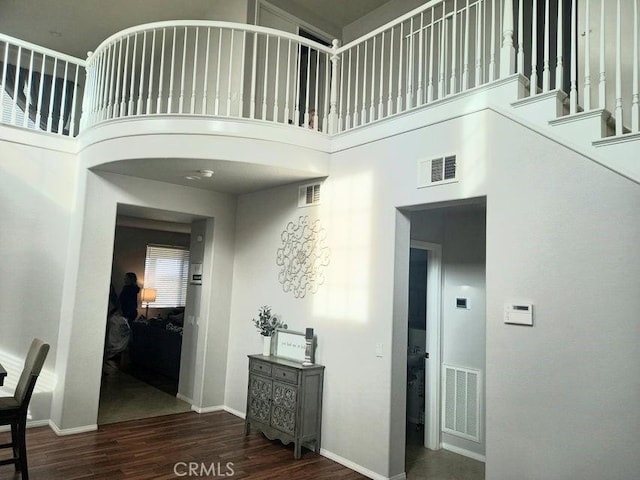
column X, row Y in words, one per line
column 461, row 402
column 436, row 171
column 309, row 195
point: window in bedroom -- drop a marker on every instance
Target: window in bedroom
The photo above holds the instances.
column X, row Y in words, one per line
column 166, row 269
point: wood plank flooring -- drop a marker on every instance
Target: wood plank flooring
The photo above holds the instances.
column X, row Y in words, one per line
column 151, row 448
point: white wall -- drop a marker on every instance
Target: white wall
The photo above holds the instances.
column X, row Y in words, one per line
column 346, row 327
column 353, row 310
column 260, row 221
column 566, row 243
column 229, row 10
column 37, row 205
column 76, row 398
column 463, row 332
column 540, row 230
column 542, row 396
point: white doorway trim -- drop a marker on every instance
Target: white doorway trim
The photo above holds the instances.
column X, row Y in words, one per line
column 295, row 22
column 433, row 365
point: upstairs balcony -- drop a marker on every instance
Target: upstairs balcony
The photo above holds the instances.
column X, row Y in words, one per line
column 580, row 57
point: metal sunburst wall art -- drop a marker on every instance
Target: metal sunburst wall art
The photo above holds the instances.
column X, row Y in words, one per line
column 302, row 257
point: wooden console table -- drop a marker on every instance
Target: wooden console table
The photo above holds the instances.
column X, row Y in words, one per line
column 284, row 401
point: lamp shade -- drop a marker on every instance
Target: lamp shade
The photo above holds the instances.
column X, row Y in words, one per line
column 148, row 295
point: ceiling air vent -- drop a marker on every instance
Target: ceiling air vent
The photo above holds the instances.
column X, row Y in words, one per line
column 436, row 171
column 309, row 195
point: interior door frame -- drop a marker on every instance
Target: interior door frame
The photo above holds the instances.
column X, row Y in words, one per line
column 433, row 365
column 298, row 22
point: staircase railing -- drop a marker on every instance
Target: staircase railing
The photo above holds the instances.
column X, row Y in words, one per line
column 40, row 89
column 588, row 48
column 439, row 49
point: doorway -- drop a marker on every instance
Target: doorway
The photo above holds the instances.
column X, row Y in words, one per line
column 446, row 340
column 424, row 343
column 142, row 379
column 313, row 69
column 306, row 102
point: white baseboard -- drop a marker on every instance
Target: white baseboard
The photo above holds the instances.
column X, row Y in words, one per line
column 215, row 408
column 71, row 431
column 179, row 396
column 235, row 412
column 358, row 468
column 400, row 476
column 462, row 451
column 30, row 424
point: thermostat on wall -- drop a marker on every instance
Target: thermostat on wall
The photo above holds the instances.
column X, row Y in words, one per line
column 196, row 274
column 462, row 303
column 519, row 314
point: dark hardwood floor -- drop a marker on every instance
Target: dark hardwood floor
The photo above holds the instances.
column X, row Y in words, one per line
column 163, row 447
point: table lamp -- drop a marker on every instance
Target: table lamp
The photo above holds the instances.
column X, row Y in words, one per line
column 147, row 295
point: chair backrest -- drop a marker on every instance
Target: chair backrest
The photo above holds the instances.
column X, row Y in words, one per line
column 32, row 367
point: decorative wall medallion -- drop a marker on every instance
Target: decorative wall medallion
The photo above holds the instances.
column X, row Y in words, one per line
column 303, row 256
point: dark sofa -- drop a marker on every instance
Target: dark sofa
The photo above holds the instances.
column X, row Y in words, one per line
column 156, row 345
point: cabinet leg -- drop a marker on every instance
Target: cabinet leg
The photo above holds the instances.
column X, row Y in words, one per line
column 297, row 450
column 247, row 428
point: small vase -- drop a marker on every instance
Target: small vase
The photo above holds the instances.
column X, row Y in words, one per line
column 266, row 346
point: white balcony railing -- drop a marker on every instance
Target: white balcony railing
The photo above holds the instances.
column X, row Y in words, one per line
column 588, row 48
column 40, row 89
column 211, row 69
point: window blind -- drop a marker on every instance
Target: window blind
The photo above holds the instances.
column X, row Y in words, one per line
column 7, row 109
column 167, row 270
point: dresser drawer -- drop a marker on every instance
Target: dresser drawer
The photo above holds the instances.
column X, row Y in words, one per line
column 285, row 374
column 261, row 367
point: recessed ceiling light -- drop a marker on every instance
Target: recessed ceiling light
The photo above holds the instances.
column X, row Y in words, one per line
column 54, row 33
column 192, row 177
column 206, row 173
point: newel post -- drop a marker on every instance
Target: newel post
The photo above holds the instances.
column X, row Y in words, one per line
column 335, row 73
column 84, row 116
column 507, row 52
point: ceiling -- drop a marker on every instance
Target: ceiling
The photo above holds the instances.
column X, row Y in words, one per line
column 231, row 177
column 78, row 26
column 339, row 12
column 154, row 219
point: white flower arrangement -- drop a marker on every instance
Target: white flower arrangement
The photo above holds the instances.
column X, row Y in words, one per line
column 267, row 323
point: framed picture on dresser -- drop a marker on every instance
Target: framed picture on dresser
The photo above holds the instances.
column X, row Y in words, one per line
column 291, row 345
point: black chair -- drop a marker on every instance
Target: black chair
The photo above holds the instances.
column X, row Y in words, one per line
column 13, row 410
